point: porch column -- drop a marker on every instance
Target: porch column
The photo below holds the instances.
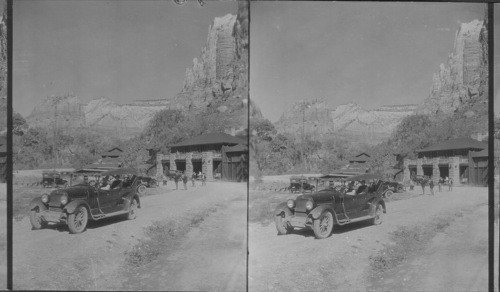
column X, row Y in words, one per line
column 406, row 170
column 207, row 164
column 455, row 170
column 173, row 166
column 420, row 170
column 159, row 165
column 189, row 164
column 435, row 169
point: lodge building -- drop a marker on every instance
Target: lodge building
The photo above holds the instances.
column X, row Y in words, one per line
column 217, row 155
column 464, row 160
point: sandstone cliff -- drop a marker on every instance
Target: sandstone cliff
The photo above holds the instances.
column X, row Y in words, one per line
column 462, row 80
column 460, row 87
column 218, row 80
column 68, row 112
column 348, row 120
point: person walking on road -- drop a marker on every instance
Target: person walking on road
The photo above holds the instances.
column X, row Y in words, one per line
column 440, row 183
column 203, row 179
column 423, row 183
column 431, row 186
column 193, row 177
column 450, row 185
column 176, row 179
column 185, row 181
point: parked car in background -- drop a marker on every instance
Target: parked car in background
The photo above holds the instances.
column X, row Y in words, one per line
column 335, row 205
column 146, row 182
column 52, row 179
column 298, row 184
column 78, row 204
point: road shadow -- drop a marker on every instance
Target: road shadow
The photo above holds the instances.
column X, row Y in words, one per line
column 62, row 227
column 337, row 229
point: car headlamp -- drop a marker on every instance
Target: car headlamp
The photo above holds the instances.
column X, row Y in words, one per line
column 309, row 205
column 290, row 203
column 45, row 198
column 64, row 199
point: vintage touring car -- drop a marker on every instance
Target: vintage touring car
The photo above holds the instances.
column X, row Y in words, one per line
column 76, row 205
column 338, row 205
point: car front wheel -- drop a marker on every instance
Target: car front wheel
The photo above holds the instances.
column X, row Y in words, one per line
column 141, row 189
column 379, row 215
column 77, row 221
column 282, row 224
column 36, row 220
column 132, row 212
column 388, row 194
column 323, row 226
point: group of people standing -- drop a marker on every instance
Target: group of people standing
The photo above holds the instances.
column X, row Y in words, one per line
column 442, row 181
column 183, row 176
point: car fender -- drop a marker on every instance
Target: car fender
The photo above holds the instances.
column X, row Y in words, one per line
column 316, row 212
column 71, row 206
column 37, row 202
column 373, row 205
column 282, row 208
column 129, row 200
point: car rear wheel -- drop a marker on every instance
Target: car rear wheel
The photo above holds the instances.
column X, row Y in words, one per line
column 282, row 224
column 36, row 220
column 141, row 189
column 77, row 221
column 323, row 226
column 379, row 215
column 132, row 212
column 388, row 194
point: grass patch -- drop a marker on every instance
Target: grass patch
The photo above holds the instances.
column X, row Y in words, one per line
column 22, row 196
column 162, row 235
column 262, row 204
column 407, row 242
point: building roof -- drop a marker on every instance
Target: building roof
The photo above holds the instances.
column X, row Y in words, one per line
column 362, row 153
column 114, row 152
column 482, row 153
column 454, row 144
column 211, row 138
column 359, row 159
column 237, row 148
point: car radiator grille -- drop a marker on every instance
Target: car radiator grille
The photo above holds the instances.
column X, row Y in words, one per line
column 301, row 206
column 55, row 209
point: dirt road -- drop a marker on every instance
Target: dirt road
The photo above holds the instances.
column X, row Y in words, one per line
column 95, row 259
column 299, row 262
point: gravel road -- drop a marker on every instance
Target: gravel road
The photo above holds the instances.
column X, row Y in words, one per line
column 53, row 259
column 299, row 262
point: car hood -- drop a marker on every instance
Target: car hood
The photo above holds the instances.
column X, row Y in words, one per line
column 73, row 192
column 319, row 197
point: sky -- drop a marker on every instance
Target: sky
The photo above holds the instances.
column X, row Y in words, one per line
column 372, row 54
column 123, row 50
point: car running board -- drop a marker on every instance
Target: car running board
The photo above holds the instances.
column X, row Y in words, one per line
column 348, row 220
column 101, row 216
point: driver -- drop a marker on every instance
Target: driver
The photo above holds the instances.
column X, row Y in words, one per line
column 351, row 189
column 362, row 188
column 106, row 185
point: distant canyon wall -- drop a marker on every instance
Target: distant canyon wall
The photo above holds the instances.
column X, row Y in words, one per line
column 348, row 120
column 218, row 79
column 460, row 85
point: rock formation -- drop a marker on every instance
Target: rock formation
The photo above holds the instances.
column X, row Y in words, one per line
column 219, row 76
column 103, row 114
column 461, row 81
column 348, row 120
column 218, row 79
column 460, row 87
